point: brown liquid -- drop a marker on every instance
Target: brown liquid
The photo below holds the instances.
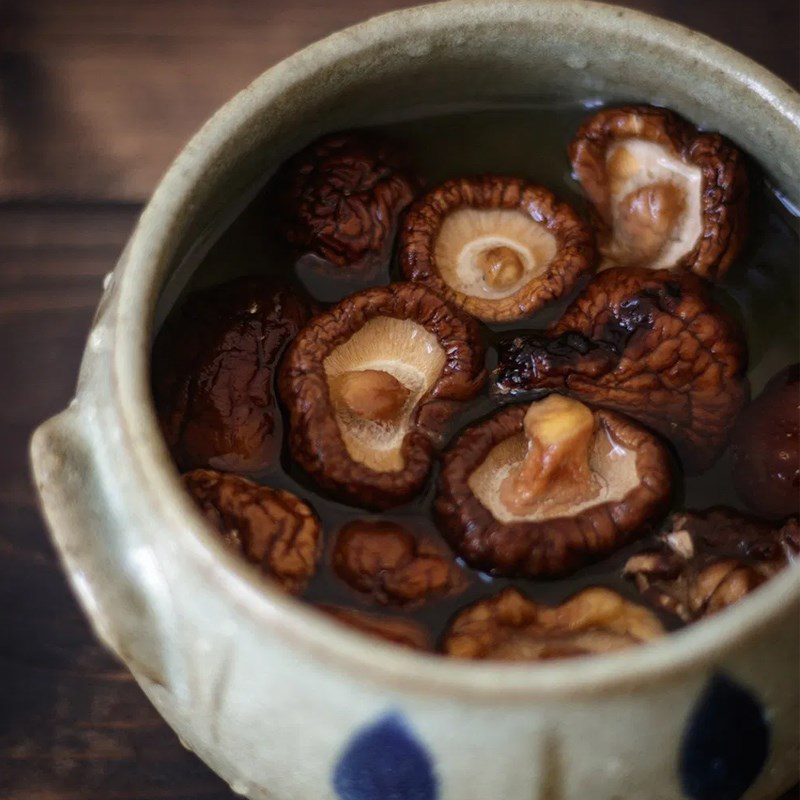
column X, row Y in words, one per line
column 761, row 289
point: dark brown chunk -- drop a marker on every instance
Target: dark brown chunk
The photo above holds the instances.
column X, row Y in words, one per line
column 510, row 627
column 396, row 630
column 386, row 561
column 766, row 447
column 213, row 365
column 651, row 344
column 269, row 527
column 706, row 561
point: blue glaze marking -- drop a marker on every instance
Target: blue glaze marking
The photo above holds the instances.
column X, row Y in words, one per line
column 726, row 742
column 385, row 761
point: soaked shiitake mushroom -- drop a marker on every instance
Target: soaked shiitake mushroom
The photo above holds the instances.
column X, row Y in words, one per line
column 705, row 561
column 498, row 247
column 396, row 630
column 213, row 365
column 766, row 447
column 510, row 627
column 664, row 195
column 271, row 528
column 388, row 562
column 342, row 198
column 369, row 385
column 651, row 344
column 540, row 489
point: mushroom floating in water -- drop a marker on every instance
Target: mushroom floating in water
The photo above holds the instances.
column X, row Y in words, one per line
column 370, row 384
column 397, row 630
column 500, row 248
column 651, row 344
column 541, row 489
column 663, row 194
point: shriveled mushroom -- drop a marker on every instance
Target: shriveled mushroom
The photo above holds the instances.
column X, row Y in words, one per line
column 269, row 527
column 706, row 561
column 397, row 630
column 342, row 198
column 498, row 247
column 392, row 565
column 369, row 386
column 766, row 447
column 541, row 489
column 213, row 365
column 510, row 627
column 651, row 344
column 664, row 195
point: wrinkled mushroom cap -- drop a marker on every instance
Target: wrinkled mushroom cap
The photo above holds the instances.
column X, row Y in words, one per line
column 498, row 247
column 510, row 627
column 663, row 194
column 369, row 386
column 627, row 482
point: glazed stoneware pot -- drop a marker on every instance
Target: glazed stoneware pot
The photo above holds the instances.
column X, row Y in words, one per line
column 288, row 705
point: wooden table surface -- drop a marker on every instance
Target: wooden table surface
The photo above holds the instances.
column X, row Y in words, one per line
column 96, row 97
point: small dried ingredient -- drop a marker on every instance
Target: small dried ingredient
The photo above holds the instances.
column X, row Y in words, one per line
column 510, row 627
column 269, row 527
column 706, row 561
column 397, row 630
column 389, row 563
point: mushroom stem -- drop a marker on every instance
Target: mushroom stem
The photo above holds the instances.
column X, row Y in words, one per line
column 501, row 266
column 647, row 218
column 371, row 394
column 560, row 434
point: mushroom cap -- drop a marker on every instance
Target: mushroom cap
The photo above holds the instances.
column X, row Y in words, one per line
column 404, row 330
column 651, row 344
column 766, row 447
column 619, row 151
column 632, row 467
column 342, row 197
column 271, row 528
column 510, row 627
column 213, row 364
column 396, row 630
column 445, row 234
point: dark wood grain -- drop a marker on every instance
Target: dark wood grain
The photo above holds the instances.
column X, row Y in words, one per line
column 96, row 97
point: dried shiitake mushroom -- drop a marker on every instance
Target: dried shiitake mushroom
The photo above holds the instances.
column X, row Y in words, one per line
column 664, row 195
column 541, row 489
column 766, row 447
column 392, row 565
column 342, row 197
column 369, row 385
column 397, row 630
column 706, row 561
column 498, row 247
column 269, row 527
column 651, row 344
column 510, row 627
column 213, row 365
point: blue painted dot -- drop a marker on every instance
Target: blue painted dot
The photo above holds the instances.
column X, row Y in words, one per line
column 726, row 742
column 385, row 761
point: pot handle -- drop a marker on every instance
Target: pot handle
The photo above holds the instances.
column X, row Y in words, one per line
column 116, row 578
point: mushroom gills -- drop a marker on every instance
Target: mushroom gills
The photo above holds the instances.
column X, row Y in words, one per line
column 492, row 253
column 376, row 378
column 655, row 200
column 612, row 474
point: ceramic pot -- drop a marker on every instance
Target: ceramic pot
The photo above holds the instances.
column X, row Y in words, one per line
column 286, row 704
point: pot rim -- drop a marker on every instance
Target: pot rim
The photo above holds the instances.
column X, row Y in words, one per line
column 293, row 621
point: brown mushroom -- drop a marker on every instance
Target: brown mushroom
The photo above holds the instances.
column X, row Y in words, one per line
column 510, row 627
column 664, row 195
column 498, row 247
column 397, row 630
column 342, row 197
column 541, row 489
column 269, row 527
column 392, row 565
column 706, row 561
column 766, row 447
column 369, row 385
column 213, row 365
column 651, row 344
